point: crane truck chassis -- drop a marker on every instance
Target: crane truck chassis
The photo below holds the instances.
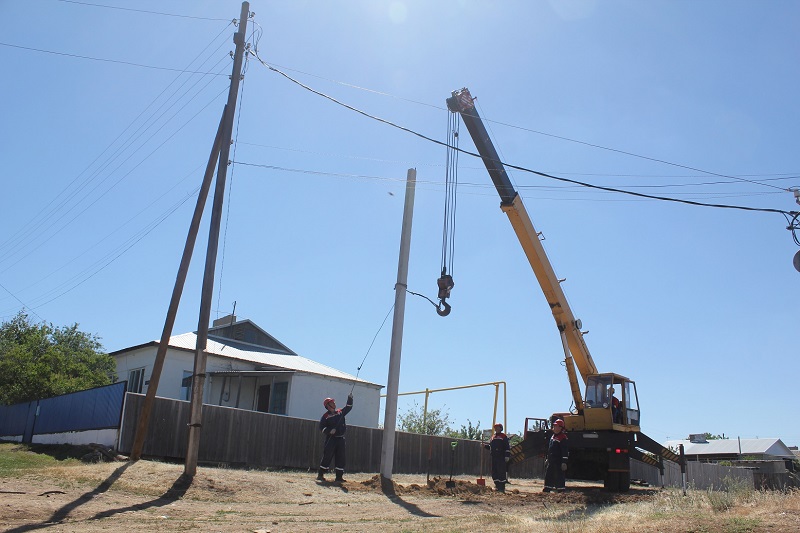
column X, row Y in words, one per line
column 603, row 430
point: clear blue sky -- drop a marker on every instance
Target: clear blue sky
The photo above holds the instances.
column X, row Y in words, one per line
column 103, row 137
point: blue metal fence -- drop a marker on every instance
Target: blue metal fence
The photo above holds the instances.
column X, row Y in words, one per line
column 98, row 408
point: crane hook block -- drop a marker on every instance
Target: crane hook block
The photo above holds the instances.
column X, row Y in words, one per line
column 445, row 284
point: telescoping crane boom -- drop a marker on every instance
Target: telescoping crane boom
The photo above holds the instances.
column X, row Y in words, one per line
column 604, row 424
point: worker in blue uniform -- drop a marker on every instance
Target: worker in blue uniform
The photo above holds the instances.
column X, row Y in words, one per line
column 500, row 451
column 333, row 425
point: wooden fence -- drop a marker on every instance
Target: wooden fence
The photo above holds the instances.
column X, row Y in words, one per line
column 242, row 438
column 698, row 475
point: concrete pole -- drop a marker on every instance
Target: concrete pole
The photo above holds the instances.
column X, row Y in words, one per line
column 172, row 311
column 199, row 374
column 393, row 381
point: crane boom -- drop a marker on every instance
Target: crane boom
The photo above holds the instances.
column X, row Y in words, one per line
column 603, row 430
column 512, row 205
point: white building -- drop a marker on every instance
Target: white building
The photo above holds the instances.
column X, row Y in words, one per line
column 247, row 368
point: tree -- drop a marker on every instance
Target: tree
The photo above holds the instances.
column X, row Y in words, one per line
column 436, row 422
column 468, row 432
column 40, row 361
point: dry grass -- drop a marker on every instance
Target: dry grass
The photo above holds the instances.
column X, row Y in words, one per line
column 147, row 495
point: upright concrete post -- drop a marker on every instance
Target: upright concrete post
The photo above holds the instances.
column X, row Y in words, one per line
column 393, row 381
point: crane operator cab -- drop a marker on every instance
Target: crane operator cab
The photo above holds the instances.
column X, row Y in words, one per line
column 611, row 403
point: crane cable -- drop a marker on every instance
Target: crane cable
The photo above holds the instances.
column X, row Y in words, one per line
column 445, row 282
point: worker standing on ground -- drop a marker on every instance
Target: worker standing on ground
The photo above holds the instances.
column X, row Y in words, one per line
column 500, row 451
column 557, row 454
column 333, row 425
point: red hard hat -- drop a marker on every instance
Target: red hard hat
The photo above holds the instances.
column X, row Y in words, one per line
column 327, row 401
column 559, row 422
column 498, row 425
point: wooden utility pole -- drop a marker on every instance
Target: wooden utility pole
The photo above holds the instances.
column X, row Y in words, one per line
column 199, row 375
column 180, row 281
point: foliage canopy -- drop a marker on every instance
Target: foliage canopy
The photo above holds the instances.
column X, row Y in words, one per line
column 40, row 360
column 416, row 420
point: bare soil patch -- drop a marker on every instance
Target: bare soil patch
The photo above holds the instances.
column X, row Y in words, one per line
column 148, row 496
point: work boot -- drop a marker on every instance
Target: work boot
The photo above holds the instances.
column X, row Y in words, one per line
column 339, row 476
column 500, row 486
column 321, row 474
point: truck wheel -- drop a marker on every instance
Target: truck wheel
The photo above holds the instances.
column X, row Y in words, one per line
column 611, row 482
column 624, row 481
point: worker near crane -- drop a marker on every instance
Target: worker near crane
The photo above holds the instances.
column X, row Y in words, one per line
column 333, row 425
column 616, row 412
column 557, row 455
column 500, row 451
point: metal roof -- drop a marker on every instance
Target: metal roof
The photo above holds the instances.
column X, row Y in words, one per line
column 261, row 357
column 766, row 446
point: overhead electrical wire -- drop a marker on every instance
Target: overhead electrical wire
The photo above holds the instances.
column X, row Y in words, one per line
column 101, row 264
column 85, row 252
column 64, row 226
column 118, row 61
column 24, row 305
column 141, row 11
column 437, row 185
column 159, row 113
column 560, row 137
column 24, row 234
column 631, row 154
column 520, row 168
column 785, row 175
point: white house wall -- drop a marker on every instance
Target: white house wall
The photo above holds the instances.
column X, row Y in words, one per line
column 366, row 399
column 175, row 363
column 305, row 394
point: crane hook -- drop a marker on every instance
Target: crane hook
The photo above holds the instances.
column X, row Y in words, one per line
column 445, row 284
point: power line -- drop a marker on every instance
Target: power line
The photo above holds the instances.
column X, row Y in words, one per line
column 20, row 301
column 141, row 10
column 105, row 261
column 129, row 63
column 784, row 175
column 520, row 168
column 560, row 137
column 27, row 230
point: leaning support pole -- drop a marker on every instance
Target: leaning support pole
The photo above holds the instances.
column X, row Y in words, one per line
column 199, row 373
column 180, row 282
column 393, row 381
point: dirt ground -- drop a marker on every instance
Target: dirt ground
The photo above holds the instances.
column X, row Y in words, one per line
column 150, row 496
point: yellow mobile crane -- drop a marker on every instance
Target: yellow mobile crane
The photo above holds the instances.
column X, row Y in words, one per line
column 603, row 426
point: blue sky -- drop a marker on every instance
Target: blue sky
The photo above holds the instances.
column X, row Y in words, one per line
column 110, row 108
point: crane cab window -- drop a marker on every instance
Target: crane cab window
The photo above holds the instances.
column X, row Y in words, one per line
column 615, row 393
column 631, row 403
column 598, row 392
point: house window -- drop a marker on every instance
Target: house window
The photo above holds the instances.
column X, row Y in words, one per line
column 279, row 394
column 136, row 380
column 186, row 385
